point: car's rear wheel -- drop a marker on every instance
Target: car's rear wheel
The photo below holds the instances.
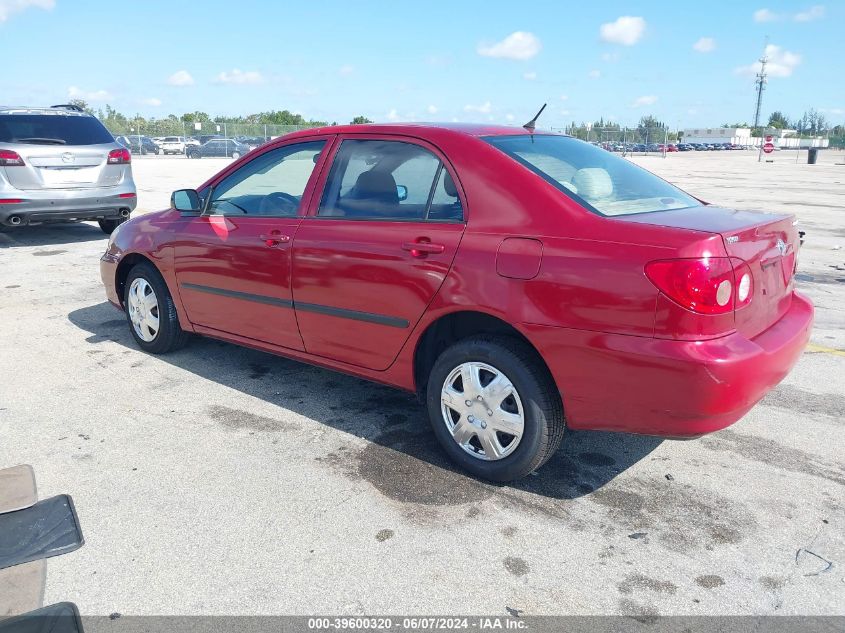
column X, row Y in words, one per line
column 151, row 312
column 494, row 407
column 108, row 226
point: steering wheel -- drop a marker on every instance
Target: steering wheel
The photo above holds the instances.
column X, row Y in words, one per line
column 278, row 202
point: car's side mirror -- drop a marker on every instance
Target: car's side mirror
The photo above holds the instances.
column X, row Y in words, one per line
column 186, row 201
column 402, row 192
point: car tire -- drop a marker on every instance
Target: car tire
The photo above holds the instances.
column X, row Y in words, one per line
column 532, row 398
column 108, row 226
column 163, row 333
column 236, row 155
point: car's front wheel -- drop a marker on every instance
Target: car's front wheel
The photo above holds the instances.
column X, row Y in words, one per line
column 151, row 312
column 494, row 407
column 236, row 155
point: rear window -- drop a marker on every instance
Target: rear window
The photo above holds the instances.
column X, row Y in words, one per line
column 603, row 183
column 52, row 129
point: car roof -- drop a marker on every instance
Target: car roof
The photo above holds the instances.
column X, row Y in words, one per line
column 421, row 130
column 41, row 110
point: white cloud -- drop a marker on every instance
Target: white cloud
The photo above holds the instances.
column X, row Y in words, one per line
column 9, row 7
column 764, row 15
column 564, row 97
column 813, row 13
column 519, row 45
column 646, row 100
column 610, row 57
column 393, row 115
column 705, row 45
column 509, row 117
column 484, row 108
column 152, row 101
column 181, row 78
column 346, row 70
column 626, row 30
column 96, row 95
column 565, row 112
column 238, row 76
column 432, row 109
column 782, row 63
column 529, row 76
column 594, row 74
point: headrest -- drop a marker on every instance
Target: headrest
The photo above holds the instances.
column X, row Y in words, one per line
column 593, row 183
column 449, row 186
column 378, row 185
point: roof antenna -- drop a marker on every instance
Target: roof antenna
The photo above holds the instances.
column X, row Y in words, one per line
column 533, row 122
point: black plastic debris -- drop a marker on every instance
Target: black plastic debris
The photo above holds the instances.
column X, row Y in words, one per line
column 48, row 528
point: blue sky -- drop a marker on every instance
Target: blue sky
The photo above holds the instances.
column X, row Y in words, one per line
column 690, row 64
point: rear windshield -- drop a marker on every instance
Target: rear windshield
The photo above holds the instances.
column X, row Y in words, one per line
column 52, row 129
column 604, row 183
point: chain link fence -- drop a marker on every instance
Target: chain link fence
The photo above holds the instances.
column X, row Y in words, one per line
column 257, row 132
column 626, row 140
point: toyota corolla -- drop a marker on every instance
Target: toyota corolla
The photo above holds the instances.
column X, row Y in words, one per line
column 520, row 282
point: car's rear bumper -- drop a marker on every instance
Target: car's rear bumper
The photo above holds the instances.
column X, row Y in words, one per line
column 669, row 388
column 67, row 205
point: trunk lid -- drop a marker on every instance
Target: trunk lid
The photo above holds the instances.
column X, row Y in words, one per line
column 768, row 243
column 63, row 167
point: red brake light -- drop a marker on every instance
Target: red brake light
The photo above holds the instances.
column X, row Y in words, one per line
column 705, row 285
column 8, row 158
column 11, row 200
column 119, row 156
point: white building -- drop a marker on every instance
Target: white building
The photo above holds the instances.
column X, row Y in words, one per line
column 733, row 135
column 742, row 136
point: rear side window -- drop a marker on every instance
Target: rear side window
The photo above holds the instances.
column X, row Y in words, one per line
column 52, row 129
column 388, row 180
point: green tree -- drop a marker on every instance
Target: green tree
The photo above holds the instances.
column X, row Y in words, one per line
column 359, row 120
column 778, row 120
column 81, row 103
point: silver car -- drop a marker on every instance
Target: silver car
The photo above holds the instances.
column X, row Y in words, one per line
column 60, row 164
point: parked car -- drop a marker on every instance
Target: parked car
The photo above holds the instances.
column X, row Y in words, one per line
column 205, row 138
column 509, row 278
column 59, row 164
column 172, row 145
column 217, row 147
column 136, row 144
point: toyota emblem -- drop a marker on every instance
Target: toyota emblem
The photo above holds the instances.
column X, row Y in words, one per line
column 67, row 157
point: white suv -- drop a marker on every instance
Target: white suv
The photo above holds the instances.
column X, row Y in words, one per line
column 59, row 164
column 172, row 145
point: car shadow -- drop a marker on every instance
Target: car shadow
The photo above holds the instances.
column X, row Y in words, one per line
column 46, row 234
column 403, row 449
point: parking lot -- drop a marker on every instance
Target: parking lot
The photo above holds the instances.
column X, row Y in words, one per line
column 218, row 479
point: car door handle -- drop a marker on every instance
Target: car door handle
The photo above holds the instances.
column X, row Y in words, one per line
column 421, row 248
column 274, row 238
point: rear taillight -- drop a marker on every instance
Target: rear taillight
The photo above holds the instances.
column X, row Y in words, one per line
column 119, row 157
column 704, row 286
column 8, row 158
column 744, row 282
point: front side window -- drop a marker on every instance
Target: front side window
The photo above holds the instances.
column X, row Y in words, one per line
column 604, row 183
column 386, row 180
column 270, row 185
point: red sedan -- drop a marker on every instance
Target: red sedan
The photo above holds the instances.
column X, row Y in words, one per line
column 521, row 283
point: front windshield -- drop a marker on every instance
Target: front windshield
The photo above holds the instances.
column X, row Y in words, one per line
column 602, row 182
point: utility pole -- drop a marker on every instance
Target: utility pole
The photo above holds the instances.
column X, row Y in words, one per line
column 761, row 85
